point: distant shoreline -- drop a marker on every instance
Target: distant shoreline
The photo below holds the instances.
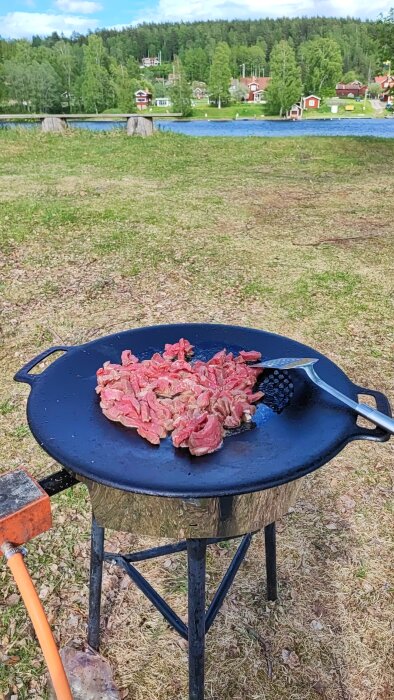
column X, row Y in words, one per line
column 257, row 118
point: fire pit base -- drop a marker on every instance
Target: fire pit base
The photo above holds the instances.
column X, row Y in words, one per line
column 157, row 516
column 200, row 618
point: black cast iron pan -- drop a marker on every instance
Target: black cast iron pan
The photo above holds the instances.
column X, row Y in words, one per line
column 65, row 418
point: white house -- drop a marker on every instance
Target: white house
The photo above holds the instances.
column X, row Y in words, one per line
column 258, row 95
column 163, row 102
column 149, row 61
column 295, row 112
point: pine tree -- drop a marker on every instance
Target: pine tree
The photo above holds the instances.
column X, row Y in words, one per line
column 46, row 87
column 123, row 85
column 66, row 69
column 220, row 76
column 385, row 36
column 133, row 68
column 322, row 65
column 285, row 87
column 256, row 59
column 180, row 92
column 95, row 80
column 195, row 62
column 35, row 86
column 17, row 79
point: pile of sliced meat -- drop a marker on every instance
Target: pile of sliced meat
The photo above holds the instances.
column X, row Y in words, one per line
column 197, row 402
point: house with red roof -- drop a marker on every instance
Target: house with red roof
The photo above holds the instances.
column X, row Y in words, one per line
column 353, row 89
column 143, row 99
column 311, row 102
column 386, row 82
column 256, row 88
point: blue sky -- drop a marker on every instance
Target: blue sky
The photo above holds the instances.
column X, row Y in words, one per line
column 22, row 18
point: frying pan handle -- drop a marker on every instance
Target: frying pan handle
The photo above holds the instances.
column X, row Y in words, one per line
column 23, row 374
column 383, row 405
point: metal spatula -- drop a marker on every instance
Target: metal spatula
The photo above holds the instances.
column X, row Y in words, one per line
column 306, row 363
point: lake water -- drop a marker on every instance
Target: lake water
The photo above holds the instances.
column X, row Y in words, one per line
column 383, row 128
column 269, row 128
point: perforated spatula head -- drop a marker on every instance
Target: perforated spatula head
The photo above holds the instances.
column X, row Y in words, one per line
column 278, row 389
column 277, row 385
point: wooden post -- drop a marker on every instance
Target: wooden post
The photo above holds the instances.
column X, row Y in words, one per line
column 140, row 126
column 53, row 124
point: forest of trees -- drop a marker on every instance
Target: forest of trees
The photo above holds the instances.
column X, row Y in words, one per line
column 102, row 70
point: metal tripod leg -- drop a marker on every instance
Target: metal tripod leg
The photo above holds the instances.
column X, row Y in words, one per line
column 196, row 552
column 270, row 558
column 96, row 577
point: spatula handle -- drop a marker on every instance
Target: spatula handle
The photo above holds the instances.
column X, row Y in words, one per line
column 362, row 409
column 376, row 417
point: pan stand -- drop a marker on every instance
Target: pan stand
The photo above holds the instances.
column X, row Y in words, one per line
column 200, row 618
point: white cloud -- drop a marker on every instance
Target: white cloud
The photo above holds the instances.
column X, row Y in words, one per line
column 351, row 8
column 84, row 7
column 222, row 9
column 17, row 25
column 170, row 10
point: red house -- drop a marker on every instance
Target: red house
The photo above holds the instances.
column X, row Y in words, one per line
column 354, row 89
column 143, row 99
column 256, row 88
column 311, row 102
column 386, row 82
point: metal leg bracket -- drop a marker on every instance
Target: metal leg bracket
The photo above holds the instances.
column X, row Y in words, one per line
column 124, row 561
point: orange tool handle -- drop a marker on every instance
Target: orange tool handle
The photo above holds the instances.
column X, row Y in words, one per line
column 40, row 623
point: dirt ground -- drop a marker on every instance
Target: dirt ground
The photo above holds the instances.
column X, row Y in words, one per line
column 100, row 233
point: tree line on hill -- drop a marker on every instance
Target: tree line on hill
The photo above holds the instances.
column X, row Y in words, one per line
column 102, row 70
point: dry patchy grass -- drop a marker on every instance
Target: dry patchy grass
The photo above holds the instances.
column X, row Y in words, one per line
column 101, row 233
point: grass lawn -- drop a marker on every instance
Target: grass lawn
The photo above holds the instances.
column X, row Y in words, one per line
column 242, row 109
column 203, row 108
column 101, row 232
column 361, row 109
column 249, row 109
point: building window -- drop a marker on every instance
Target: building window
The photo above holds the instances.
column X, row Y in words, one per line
column 312, row 103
